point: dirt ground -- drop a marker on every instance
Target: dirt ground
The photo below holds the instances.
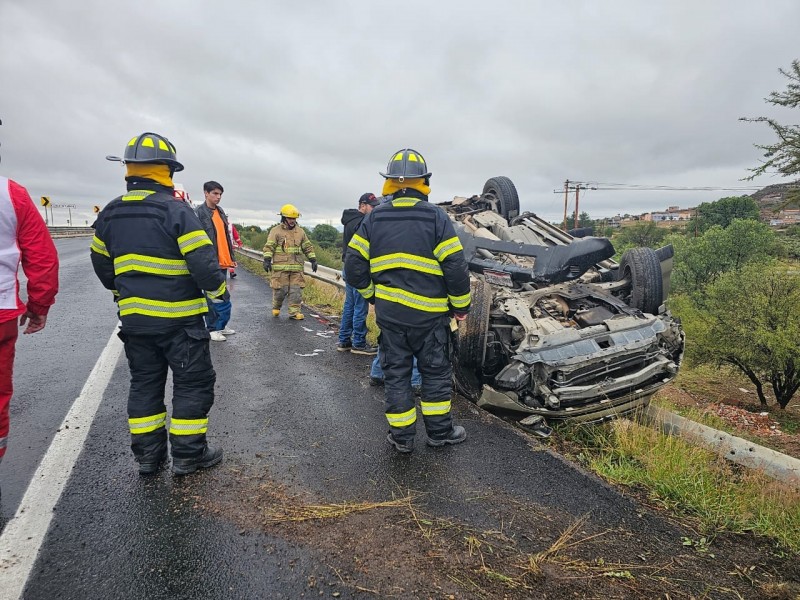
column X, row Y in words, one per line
column 395, row 549
column 731, row 398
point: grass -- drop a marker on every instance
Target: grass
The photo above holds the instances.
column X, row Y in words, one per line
column 291, row 512
column 698, row 415
column 690, row 480
column 710, row 384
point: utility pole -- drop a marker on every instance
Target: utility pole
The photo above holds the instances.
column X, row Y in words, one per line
column 568, row 187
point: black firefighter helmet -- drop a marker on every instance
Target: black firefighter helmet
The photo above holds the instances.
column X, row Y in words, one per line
column 406, row 164
column 150, row 148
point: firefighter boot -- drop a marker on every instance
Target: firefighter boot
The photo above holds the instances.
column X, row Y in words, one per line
column 183, row 466
column 457, row 435
column 149, row 450
column 150, row 467
column 298, row 316
column 276, row 312
column 402, row 447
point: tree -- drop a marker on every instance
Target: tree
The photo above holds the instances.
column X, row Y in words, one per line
column 326, row 235
column 751, row 320
column 790, row 239
column 783, row 155
column 644, row 233
column 723, row 212
column 700, row 261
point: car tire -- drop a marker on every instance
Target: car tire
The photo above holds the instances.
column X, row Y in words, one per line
column 503, row 190
column 643, row 269
column 581, row 232
column 468, row 363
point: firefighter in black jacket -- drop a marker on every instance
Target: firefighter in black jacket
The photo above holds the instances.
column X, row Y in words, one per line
column 406, row 258
column 154, row 255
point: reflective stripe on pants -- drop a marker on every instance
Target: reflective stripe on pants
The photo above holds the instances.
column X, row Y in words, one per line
column 287, row 283
column 431, row 347
column 186, row 353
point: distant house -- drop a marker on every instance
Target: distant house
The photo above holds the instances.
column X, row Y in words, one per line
column 789, row 216
column 673, row 213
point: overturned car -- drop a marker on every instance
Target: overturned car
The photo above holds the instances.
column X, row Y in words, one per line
column 557, row 329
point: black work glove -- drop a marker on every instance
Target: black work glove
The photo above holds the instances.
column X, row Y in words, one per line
column 267, row 264
column 313, row 264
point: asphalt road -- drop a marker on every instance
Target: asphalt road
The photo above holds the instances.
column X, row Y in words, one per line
column 288, row 405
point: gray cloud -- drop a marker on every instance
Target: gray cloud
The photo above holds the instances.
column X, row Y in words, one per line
column 304, row 103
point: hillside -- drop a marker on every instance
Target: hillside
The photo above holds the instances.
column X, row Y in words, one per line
column 772, row 196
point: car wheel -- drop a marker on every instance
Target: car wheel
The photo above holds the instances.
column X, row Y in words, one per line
column 503, row 191
column 642, row 268
column 468, row 363
column 581, row 232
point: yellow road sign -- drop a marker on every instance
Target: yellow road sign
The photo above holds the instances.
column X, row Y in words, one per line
column 45, row 200
column 96, row 209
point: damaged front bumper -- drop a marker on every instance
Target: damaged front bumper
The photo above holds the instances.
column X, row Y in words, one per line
column 600, row 410
column 583, row 382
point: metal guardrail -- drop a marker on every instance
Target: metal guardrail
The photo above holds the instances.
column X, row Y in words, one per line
column 61, row 232
column 326, row 274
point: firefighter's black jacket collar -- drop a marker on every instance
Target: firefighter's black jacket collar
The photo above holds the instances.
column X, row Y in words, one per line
column 410, row 193
column 140, row 183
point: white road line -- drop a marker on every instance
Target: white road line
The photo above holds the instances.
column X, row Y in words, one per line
column 24, row 534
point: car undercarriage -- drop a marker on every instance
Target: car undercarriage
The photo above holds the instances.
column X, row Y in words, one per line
column 557, row 329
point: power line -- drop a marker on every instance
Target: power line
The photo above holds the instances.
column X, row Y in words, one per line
column 635, row 187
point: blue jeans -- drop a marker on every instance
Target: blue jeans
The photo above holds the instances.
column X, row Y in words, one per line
column 377, row 372
column 219, row 313
column 354, row 317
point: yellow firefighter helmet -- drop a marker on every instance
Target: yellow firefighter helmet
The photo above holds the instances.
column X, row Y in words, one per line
column 289, row 211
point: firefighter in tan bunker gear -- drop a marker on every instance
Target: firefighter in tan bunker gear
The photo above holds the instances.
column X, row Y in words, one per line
column 285, row 252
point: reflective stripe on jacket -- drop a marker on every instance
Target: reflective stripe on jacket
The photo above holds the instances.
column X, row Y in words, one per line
column 407, row 255
column 154, row 254
column 287, row 247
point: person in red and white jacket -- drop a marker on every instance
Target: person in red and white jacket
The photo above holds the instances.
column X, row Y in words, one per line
column 24, row 239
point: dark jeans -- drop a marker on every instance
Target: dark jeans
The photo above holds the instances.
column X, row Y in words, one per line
column 354, row 317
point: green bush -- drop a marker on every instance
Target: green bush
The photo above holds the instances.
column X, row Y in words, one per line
column 329, row 257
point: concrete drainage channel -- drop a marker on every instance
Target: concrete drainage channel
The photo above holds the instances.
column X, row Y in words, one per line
column 740, row 451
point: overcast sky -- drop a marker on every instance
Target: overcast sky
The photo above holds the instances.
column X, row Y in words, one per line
column 304, row 102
